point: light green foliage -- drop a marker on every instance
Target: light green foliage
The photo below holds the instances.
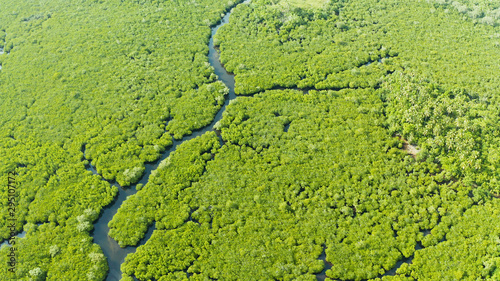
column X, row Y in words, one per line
column 176, row 173
column 453, row 126
column 132, row 175
column 173, row 250
column 301, row 172
column 269, row 200
column 305, row 3
column 482, row 11
column 36, row 274
column 85, row 220
column 70, row 255
column 269, row 46
column 298, row 174
column 468, row 252
column 329, row 48
column 109, row 81
column 436, row 68
column 52, row 185
column 54, row 250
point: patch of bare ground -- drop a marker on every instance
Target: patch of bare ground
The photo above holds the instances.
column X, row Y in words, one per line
column 409, row 148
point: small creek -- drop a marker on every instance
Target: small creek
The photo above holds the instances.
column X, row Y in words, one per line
column 19, row 235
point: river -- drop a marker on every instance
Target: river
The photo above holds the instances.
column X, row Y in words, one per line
column 114, row 253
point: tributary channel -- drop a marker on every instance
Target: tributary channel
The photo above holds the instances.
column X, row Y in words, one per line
column 114, row 253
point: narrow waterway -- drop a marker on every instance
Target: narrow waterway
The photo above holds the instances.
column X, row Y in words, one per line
column 114, row 253
column 322, row 275
column 6, row 241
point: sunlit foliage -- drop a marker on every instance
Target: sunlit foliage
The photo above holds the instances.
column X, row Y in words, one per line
column 105, row 82
column 290, row 173
column 298, row 173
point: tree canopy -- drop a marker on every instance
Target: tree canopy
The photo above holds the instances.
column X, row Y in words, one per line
column 366, row 131
column 106, row 83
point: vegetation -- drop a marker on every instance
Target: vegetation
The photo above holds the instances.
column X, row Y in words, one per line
column 469, row 252
column 310, row 158
column 301, row 48
column 298, row 173
column 305, row 3
column 55, row 252
column 335, row 178
column 435, row 67
column 81, row 83
column 486, row 12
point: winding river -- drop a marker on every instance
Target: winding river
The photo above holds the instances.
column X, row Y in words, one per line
column 114, row 253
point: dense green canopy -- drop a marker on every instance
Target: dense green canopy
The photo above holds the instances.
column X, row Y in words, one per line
column 106, row 82
column 300, row 173
column 367, row 130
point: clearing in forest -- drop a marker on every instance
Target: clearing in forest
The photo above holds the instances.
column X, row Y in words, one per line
column 306, row 3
